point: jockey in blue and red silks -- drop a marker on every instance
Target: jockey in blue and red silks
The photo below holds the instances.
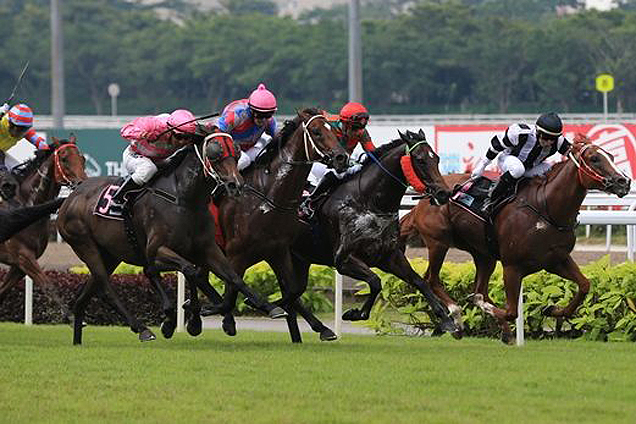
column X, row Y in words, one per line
column 251, row 123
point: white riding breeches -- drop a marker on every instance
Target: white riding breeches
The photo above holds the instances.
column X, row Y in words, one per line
column 139, row 167
column 514, row 166
column 248, row 156
column 319, row 170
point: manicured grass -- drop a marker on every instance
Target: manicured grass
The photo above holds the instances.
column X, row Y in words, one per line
column 262, row 378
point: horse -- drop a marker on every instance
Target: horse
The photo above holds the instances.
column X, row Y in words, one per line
column 356, row 227
column 166, row 227
column 262, row 224
column 530, row 232
column 39, row 181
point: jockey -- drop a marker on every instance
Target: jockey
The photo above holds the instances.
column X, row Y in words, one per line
column 521, row 152
column 16, row 123
column 152, row 139
column 251, row 123
column 350, row 129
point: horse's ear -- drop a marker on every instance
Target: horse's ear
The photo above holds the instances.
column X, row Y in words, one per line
column 72, row 138
column 421, row 134
column 402, row 136
column 410, row 134
column 581, row 138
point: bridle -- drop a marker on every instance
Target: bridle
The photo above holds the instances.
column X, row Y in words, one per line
column 585, row 169
column 227, row 143
column 59, row 169
column 308, row 142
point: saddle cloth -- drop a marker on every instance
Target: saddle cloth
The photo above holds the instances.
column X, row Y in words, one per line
column 471, row 196
column 104, row 202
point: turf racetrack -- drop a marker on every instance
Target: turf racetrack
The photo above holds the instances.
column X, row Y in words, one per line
column 260, row 377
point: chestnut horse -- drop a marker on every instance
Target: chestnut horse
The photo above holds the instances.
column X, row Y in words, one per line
column 262, row 225
column 533, row 231
column 39, row 181
column 167, row 227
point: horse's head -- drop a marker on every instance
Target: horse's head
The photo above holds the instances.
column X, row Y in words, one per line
column 220, row 157
column 597, row 169
column 68, row 161
column 320, row 142
column 420, row 165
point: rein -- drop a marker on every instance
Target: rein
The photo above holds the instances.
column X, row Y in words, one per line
column 307, row 141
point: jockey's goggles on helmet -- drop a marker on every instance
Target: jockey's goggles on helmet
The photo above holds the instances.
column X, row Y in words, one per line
column 17, row 130
column 359, row 121
column 262, row 115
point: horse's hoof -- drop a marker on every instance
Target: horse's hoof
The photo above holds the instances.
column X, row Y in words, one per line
column 167, row 329
column 352, row 315
column 277, row 312
column 194, row 326
column 507, row 338
column 457, row 334
column 229, row 326
column 548, row 311
column 448, row 326
column 146, row 336
column 327, row 335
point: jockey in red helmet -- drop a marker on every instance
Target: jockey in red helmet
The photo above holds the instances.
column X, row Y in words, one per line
column 152, row 139
column 350, row 128
column 251, row 123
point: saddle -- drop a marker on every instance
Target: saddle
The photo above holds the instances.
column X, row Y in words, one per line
column 472, row 194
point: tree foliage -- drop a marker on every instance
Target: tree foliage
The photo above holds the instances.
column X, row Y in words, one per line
column 424, row 56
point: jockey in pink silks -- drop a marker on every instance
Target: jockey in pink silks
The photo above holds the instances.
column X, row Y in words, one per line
column 251, row 123
column 152, row 139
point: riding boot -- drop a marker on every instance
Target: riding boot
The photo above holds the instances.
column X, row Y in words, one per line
column 306, row 210
column 499, row 191
column 119, row 198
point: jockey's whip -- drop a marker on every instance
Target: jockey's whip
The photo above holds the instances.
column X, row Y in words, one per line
column 17, row 84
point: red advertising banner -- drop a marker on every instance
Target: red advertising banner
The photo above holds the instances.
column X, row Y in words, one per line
column 461, row 146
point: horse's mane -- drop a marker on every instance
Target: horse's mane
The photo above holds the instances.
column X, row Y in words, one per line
column 27, row 168
column 382, row 150
column 579, row 138
column 289, row 127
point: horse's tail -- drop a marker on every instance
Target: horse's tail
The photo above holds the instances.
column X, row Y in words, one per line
column 14, row 220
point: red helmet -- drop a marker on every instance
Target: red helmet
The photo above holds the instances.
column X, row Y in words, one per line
column 355, row 114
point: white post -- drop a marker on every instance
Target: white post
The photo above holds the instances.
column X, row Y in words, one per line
column 338, row 308
column 520, row 320
column 28, row 301
column 608, row 237
column 605, row 106
column 587, row 227
column 180, row 300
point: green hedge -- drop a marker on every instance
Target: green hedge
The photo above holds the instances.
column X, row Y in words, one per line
column 135, row 290
column 608, row 312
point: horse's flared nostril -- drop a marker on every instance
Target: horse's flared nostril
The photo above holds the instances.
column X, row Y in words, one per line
column 442, row 196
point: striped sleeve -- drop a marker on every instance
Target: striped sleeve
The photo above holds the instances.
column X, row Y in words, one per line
column 35, row 139
column 226, row 122
column 509, row 139
column 367, row 143
column 564, row 145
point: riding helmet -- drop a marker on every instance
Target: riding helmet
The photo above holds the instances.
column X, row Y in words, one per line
column 550, row 123
column 21, row 115
column 355, row 113
column 262, row 100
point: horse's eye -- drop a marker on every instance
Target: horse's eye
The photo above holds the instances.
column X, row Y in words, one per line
column 595, row 159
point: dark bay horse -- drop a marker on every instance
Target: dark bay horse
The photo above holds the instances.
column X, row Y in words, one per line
column 262, row 224
column 357, row 225
column 39, row 182
column 534, row 231
column 168, row 228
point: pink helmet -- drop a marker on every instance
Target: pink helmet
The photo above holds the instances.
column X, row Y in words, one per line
column 182, row 120
column 262, row 100
column 21, row 115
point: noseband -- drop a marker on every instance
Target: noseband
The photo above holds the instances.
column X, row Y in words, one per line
column 227, row 143
column 59, row 170
column 584, row 168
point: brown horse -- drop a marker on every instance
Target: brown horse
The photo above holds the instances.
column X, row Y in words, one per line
column 167, row 227
column 262, row 225
column 39, row 181
column 533, row 231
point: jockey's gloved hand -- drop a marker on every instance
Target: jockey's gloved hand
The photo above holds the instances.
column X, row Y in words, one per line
column 4, row 108
column 480, row 168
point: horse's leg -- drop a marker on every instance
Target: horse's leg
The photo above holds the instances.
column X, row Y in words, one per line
column 399, row 266
column 484, row 267
column 353, row 267
column 14, row 275
column 436, row 254
column 512, row 284
column 301, row 273
column 568, row 269
column 192, row 307
column 229, row 324
column 101, row 266
column 291, row 290
column 169, row 324
column 218, row 263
